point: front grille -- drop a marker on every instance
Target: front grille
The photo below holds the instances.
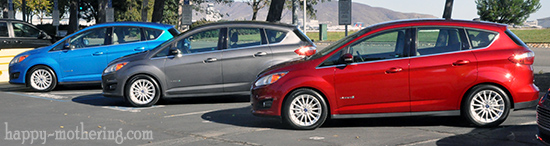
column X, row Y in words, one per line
column 543, row 117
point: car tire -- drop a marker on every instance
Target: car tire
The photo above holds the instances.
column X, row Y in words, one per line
column 486, row 106
column 142, row 91
column 42, row 79
column 304, row 109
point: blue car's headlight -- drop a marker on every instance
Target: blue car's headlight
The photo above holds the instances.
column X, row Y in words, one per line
column 114, row 67
column 270, row 79
column 18, row 59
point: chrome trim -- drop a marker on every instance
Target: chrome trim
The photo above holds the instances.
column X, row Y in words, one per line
column 402, row 114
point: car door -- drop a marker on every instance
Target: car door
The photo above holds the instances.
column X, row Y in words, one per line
column 27, row 36
column 126, row 40
column 246, row 54
column 85, row 58
column 442, row 69
column 378, row 79
column 4, row 35
column 197, row 68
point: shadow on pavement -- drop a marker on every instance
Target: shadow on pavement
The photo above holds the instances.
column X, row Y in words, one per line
column 243, row 118
column 507, row 136
column 98, row 100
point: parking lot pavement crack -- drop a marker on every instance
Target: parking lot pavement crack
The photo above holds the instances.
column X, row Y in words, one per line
column 437, row 131
column 226, row 140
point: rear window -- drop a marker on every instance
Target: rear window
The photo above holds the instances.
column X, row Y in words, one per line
column 515, row 38
column 275, row 36
column 151, row 34
column 301, row 35
column 480, row 39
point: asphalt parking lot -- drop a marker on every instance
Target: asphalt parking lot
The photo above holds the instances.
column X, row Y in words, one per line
column 81, row 115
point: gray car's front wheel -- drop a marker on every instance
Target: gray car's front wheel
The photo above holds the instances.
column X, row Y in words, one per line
column 142, row 91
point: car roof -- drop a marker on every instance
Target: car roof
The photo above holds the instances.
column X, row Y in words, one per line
column 136, row 24
column 452, row 22
column 247, row 23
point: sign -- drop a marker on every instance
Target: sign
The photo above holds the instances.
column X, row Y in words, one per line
column 55, row 17
column 344, row 12
column 187, row 15
column 110, row 15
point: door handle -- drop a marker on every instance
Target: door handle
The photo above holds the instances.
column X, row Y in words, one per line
column 139, row 49
column 394, row 70
column 97, row 53
column 259, row 54
column 17, row 42
column 5, row 42
column 461, row 62
column 209, row 60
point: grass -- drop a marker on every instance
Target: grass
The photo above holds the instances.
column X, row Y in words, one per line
column 528, row 36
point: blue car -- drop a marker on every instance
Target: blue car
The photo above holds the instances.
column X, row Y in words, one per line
column 82, row 56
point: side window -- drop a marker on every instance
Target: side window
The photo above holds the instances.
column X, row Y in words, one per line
column 200, row 42
column 244, row 37
column 24, row 30
column 152, row 34
column 91, row 38
column 332, row 60
column 275, row 36
column 480, row 39
column 382, row 46
column 123, row 35
column 4, row 29
column 438, row 40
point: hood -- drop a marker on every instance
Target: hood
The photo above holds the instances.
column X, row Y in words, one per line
column 131, row 57
column 282, row 65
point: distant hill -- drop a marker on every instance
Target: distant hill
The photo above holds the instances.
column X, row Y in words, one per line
column 327, row 13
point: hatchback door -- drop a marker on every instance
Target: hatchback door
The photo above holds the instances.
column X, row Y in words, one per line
column 442, row 69
column 246, row 54
column 86, row 57
column 378, row 79
column 197, row 69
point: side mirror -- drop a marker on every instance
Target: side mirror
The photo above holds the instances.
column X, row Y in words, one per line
column 174, row 51
column 67, row 46
column 348, row 58
column 44, row 36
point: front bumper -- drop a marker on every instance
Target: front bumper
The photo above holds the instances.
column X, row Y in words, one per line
column 543, row 119
column 265, row 101
column 111, row 85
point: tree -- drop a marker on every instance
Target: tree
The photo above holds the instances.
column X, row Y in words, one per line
column 275, row 10
column 158, row 8
column 256, row 6
column 311, row 12
column 40, row 8
column 506, row 11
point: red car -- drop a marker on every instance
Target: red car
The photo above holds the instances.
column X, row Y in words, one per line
column 427, row 67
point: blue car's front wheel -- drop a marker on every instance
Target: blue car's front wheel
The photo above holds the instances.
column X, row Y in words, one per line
column 42, row 78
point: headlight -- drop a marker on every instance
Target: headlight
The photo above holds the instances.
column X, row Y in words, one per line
column 114, row 67
column 270, row 79
column 18, row 59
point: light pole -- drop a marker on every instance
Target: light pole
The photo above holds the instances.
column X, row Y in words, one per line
column 305, row 31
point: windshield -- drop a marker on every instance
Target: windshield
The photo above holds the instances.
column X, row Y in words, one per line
column 337, row 44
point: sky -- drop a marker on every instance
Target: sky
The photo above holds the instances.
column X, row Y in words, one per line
column 462, row 9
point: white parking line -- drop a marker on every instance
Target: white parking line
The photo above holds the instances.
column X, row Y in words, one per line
column 34, row 96
column 187, row 114
column 421, row 142
column 131, row 109
column 529, row 123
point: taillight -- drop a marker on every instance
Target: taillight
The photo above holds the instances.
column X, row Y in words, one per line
column 306, row 50
column 527, row 58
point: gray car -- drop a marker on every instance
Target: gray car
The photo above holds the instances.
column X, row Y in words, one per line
column 210, row 60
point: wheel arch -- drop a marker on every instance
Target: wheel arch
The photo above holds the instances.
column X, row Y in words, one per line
column 327, row 102
column 510, row 98
column 27, row 73
column 155, row 78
